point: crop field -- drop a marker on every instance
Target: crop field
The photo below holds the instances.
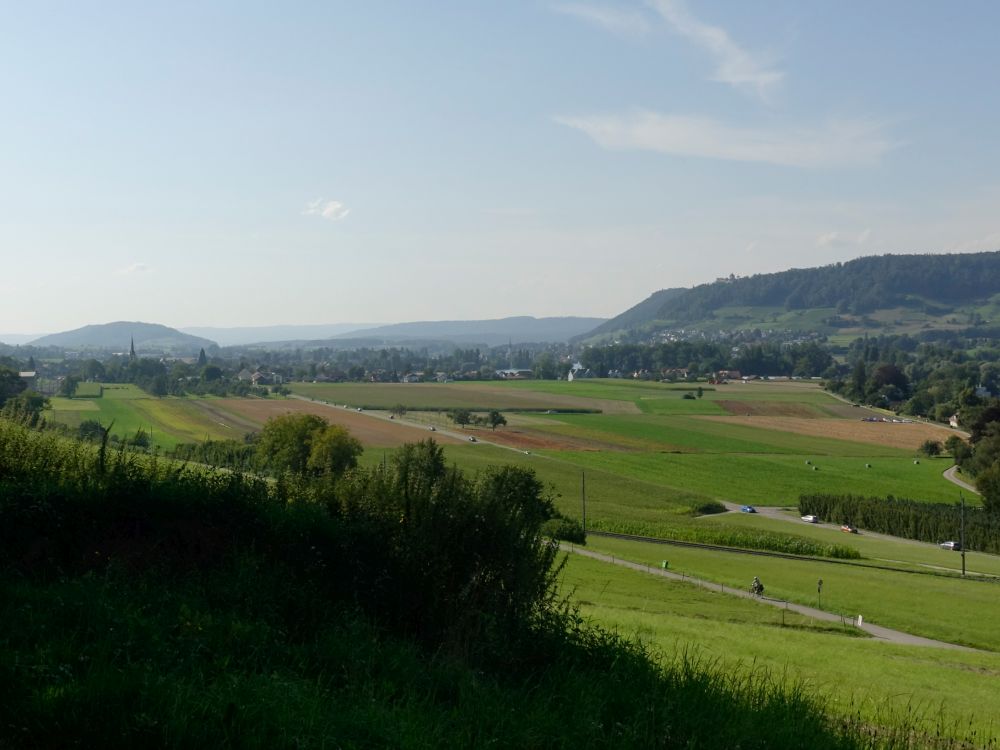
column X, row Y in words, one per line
column 775, row 479
column 875, row 548
column 168, row 421
column 371, row 430
column 435, row 396
column 859, row 675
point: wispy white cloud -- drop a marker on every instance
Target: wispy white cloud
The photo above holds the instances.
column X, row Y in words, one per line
column 733, row 64
column 844, row 239
column 135, row 268
column 332, row 210
column 842, row 143
column 615, row 20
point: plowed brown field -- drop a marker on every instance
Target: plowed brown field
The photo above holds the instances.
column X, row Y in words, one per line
column 877, row 433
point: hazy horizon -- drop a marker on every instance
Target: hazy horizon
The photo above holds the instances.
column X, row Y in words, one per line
column 231, row 166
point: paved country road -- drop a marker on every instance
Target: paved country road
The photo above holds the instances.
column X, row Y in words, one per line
column 877, row 631
column 949, row 474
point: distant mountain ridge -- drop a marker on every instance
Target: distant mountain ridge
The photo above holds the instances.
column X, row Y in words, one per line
column 931, row 285
column 242, row 335
column 149, row 338
column 520, row 329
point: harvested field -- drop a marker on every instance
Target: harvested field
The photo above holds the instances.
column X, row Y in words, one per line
column 538, row 440
column 905, row 436
column 371, row 430
column 473, row 396
column 772, row 409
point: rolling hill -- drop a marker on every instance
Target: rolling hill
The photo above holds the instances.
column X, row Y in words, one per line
column 521, row 329
column 150, row 338
column 888, row 293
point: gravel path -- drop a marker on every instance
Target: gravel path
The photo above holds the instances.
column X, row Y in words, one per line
column 877, row 631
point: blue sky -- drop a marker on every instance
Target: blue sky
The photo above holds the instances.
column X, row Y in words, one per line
column 252, row 163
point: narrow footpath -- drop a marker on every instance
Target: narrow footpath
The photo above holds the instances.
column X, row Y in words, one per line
column 949, row 474
column 877, row 631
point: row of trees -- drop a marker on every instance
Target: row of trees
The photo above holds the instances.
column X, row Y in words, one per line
column 910, row 519
column 463, row 417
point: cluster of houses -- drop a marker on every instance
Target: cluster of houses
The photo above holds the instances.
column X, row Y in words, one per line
column 257, row 377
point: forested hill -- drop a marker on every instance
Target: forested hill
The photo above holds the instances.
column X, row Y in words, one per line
column 932, row 283
column 149, row 338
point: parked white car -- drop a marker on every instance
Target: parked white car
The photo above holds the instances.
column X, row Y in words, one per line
column 810, row 519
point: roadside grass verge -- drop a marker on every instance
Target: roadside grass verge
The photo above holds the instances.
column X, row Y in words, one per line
column 882, row 687
column 924, row 605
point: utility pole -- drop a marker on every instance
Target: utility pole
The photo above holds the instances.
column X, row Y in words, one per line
column 583, row 498
column 961, row 533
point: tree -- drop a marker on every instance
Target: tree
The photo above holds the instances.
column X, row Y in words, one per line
column 333, row 451
column 285, row 442
column 11, row 384
column 495, row 419
column 202, row 358
column 68, row 386
column 461, row 417
column 398, row 410
column 211, row 373
column 958, row 448
column 931, row 448
column 988, row 484
column 26, row 407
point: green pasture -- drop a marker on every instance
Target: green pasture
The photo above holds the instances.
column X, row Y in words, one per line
column 168, row 420
column 772, row 479
column 692, row 435
column 935, row 606
column 608, row 495
column 883, row 550
column 88, row 390
column 858, row 675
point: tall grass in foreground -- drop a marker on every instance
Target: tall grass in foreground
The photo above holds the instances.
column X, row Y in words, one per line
column 143, row 604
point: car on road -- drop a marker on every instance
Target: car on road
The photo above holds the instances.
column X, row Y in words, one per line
column 954, row 546
column 472, row 439
column 747, row 509
column 433, row 428
column 849, row 528
column 810, row 519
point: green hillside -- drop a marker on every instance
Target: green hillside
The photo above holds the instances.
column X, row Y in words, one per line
column 899, row 293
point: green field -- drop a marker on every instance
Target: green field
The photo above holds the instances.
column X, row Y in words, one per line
column 168, row 421
column 923, row 604
column 858, row 675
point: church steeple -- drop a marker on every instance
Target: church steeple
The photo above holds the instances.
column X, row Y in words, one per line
column 131, row 348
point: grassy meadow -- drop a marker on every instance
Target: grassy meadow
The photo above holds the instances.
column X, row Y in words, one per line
column 857, row 675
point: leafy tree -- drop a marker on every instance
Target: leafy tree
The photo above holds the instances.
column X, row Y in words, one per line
column 930, row 448
column 90, row 430
column 495, row 419
column 285, row 442
column 26, row 407
column 211, row 373
column 958, row 448
column 68, row 386
column 461, row 417
column 333, row 451
column 399, row 410
column 11, row 384
column 988, row 484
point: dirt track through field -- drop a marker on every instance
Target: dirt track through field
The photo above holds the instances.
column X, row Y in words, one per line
column 888, row 434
